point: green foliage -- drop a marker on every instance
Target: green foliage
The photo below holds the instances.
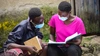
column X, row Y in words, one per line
column 9, row 20
column 47, row 12
column 5, row 28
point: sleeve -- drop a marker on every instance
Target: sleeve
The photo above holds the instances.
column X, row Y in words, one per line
column 51, row 22
column 15, row 36
column 81, row 28
column 39, row 34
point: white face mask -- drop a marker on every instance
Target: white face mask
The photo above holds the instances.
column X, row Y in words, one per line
column 63, row 18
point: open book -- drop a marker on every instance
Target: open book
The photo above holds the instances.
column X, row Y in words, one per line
column 34, row 42
column 74, row 36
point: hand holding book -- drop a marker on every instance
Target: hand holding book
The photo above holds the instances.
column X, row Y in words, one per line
column 31, row 49
column 67, row 40
column 34, row 44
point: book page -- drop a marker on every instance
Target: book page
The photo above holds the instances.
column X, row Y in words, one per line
column 53, row 42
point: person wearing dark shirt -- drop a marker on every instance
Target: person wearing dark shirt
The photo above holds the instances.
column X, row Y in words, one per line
column 24, row 31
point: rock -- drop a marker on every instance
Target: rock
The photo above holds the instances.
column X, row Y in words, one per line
column 85, row 50
column 95, row 40
column 88, row 54
column 99, row 54
column 91, row 46
column 96, row 53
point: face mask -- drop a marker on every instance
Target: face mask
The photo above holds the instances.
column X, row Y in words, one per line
column 38, row 25
column 63, row 18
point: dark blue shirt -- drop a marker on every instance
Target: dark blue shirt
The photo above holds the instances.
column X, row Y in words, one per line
column 22, row 32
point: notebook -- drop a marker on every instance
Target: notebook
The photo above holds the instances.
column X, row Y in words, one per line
column 34, row 42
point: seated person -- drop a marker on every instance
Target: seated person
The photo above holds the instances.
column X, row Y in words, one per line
column 62, row 25
column 24, row 31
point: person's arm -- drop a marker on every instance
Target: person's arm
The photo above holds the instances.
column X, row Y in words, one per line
column 23, row 47
column 52, row 33
column 80, row 29
column 15, row 37
column 52, row 25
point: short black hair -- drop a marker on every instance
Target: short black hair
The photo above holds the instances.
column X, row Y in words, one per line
column 64, row 6
column 34, row 12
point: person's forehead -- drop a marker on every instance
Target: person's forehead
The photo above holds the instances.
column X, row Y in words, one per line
column 41, row 16
column 62, row 12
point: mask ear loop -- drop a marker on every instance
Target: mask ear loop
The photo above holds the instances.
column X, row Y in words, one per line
column 32, row 22
column 28, row 18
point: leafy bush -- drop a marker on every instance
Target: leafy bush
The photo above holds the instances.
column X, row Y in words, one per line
column 47, row 12
column 5, row 28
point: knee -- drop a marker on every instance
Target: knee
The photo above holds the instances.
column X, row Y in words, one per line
column 44, row 52
column 15, row 52
column 72, row 48
column 45, row 48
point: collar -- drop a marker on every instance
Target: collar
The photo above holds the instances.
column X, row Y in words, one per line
column 29, row 25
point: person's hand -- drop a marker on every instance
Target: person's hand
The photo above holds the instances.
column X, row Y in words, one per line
column 44, row 44
column 39, row 52
column 31, row 49
column 77, row 42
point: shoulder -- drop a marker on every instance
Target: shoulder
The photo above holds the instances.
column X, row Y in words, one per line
column 21, row 26
column 78, row 19
column 55, row 16
column 24, row 22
